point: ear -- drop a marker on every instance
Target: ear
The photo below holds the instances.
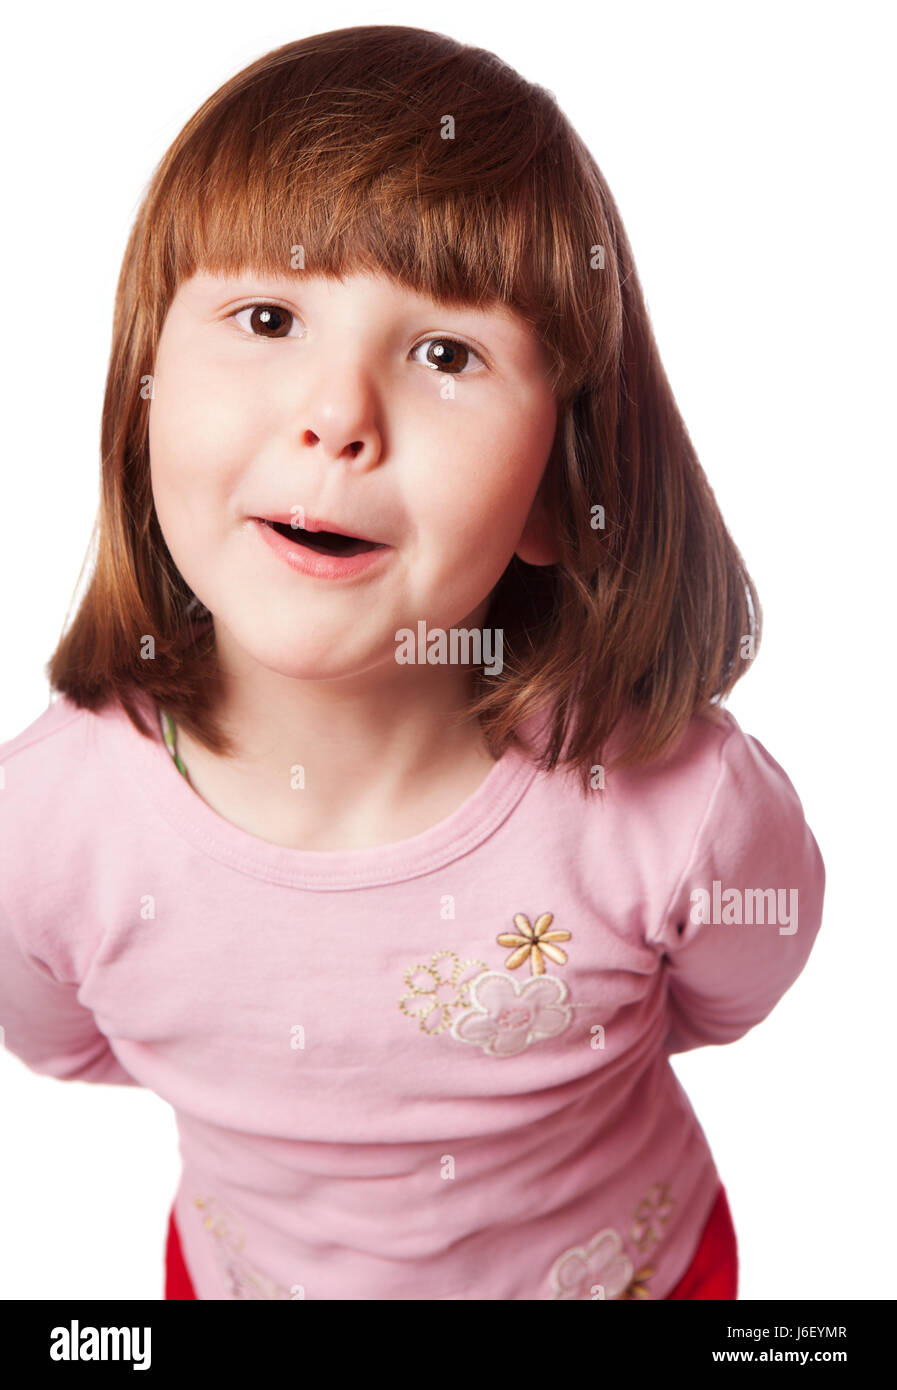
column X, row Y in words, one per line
column 537, row 545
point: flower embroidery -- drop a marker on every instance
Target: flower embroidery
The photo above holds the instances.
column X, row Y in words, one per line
column 602, row 1269
column 638, row 1287
column 507, row 1017
column 243, row 1280
column 650, row 1216
column 601, row 1265
column 434, row 995
column 534, row 942
column 497, row 1016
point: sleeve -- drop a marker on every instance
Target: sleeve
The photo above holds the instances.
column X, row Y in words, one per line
column 744, row 915
column 43, row 1023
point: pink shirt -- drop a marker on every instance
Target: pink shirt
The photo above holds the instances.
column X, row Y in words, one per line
column 383, row 1089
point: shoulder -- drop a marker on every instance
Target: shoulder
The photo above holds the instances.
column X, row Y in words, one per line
column 716, row 805
column 715, row 771
column 641, row 814
column 54, row 794
column 721, row 804
column 715, row 782
column 37, row 762
column 674, row 788
column 49, row 726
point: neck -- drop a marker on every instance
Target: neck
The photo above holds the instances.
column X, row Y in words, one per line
column 341, row 762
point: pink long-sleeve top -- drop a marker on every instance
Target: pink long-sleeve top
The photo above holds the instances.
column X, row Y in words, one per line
column 385, row 1086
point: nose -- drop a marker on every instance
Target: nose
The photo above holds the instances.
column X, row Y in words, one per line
column 341, row 423
column 328, row 440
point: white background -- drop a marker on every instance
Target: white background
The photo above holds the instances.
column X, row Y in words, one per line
column 750, row 152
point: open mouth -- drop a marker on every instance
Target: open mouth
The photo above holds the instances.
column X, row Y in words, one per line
column 325, row 542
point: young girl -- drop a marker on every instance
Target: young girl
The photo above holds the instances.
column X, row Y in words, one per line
column 399, row 834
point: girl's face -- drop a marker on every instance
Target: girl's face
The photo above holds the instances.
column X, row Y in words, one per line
column 324, row 407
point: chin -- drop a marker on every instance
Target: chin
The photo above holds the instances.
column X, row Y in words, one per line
column 300, row 657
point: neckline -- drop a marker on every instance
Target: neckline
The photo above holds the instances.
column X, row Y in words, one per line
column 150, row 768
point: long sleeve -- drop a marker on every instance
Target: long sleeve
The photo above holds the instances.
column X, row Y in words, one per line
column 744, row 915
column 44, row 1023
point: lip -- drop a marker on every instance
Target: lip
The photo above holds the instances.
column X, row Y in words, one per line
column 312, row 523
column 315, row 563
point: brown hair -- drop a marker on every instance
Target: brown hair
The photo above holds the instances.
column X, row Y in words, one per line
column 335, row 143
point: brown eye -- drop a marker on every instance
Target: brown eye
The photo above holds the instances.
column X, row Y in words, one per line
column 446, row 352
column 267, row 320
column 447, row 355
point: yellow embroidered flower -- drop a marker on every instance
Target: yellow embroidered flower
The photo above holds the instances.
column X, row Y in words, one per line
column 534, row 942
column 437, row 996
column 638, row 1289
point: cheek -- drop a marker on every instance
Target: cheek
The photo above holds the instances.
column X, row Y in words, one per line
column 470, row 525
column 198, row 435
column 478, row 496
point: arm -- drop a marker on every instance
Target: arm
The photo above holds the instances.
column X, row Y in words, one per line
column 744, row 915
column 44, row 1024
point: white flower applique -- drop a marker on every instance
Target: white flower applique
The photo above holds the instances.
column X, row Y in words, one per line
column 487, row 1008
column 601, row 1269
column 506, row 1017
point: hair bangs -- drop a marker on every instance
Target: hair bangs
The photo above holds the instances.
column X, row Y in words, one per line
column 456, row 196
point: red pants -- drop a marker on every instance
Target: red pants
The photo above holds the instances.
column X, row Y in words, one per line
column 713, row 1273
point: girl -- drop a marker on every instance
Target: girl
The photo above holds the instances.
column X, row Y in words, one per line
column 405, row 933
